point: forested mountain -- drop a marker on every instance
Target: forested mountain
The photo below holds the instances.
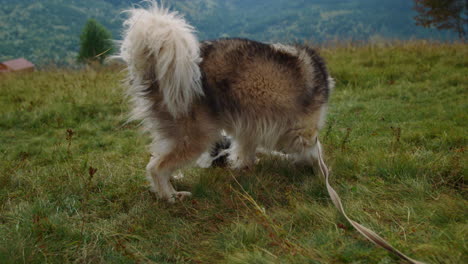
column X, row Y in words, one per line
column 47, row 31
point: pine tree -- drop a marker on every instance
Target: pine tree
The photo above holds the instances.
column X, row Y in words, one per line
column 443, row 14
column 96, row 43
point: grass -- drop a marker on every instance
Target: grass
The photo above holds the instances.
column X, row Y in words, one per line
column 72, row 184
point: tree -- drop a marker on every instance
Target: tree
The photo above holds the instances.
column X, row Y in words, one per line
column 443, row 14
column 96, row 43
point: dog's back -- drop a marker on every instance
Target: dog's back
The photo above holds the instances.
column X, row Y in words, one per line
column 259, row 91
column 251, row 77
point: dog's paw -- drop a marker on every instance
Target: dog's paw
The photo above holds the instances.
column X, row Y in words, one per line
column 179, row 196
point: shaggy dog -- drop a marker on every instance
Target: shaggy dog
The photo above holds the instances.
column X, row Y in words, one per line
column 187, row 93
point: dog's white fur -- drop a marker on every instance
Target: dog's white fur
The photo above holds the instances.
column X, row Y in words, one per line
column 159, row 39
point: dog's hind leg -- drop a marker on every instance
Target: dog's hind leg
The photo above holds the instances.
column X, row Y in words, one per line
column 165, row 161
column 160, row 180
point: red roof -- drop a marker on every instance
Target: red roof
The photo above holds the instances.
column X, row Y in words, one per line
column 18, row 64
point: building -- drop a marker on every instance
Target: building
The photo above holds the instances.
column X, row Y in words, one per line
column 16, row 65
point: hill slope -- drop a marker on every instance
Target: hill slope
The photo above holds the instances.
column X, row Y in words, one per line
column 395, row 139
column 47, row 31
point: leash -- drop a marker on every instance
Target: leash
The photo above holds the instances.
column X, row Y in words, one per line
column 366, row 232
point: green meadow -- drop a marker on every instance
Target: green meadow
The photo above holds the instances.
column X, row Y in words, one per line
column 73, row 186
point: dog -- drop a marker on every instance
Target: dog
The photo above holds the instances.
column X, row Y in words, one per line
column 188, row 93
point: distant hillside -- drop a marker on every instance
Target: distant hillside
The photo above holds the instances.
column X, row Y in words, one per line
column 47, row 31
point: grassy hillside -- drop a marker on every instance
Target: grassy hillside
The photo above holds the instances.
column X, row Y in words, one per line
column 47, row 31
column 395, row 139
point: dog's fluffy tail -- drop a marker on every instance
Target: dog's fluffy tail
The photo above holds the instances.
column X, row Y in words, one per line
column 159, row 45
